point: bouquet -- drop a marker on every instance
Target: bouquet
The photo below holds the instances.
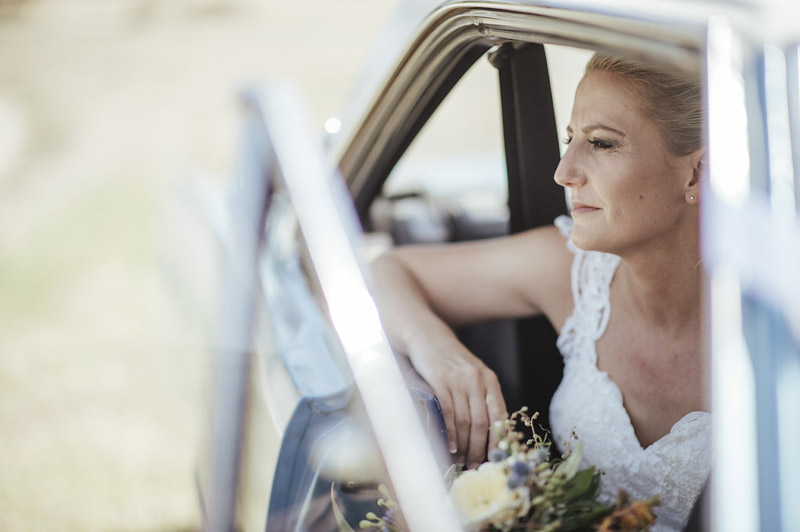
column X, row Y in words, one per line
column 522, row 489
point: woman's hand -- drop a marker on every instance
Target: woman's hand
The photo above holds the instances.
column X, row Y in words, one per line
column 468, row 392
column 422, row 291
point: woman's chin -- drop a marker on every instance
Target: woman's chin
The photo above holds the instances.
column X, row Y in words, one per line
column 583, row 238
column 591, row 239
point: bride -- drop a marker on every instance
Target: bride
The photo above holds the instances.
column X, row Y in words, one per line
column 619, row 280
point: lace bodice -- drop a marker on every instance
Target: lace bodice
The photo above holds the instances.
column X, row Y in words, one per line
column 587, row 401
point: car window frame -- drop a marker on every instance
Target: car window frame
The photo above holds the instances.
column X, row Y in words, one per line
column 452, row 38
column 456, row 35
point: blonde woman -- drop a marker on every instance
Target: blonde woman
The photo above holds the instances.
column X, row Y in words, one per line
column 619, row 280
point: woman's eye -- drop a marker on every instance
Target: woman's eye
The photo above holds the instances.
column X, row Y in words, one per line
column 566, row 140
column 599, row 144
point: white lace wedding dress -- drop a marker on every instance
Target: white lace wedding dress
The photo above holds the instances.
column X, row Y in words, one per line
column 590, row 403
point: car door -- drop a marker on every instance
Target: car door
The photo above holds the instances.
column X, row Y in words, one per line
column 302, row 359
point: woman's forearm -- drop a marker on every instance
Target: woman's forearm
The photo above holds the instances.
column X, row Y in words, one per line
column 406, row 311
column 468, row 391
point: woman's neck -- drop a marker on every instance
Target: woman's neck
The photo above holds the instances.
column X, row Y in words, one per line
column 663, row 283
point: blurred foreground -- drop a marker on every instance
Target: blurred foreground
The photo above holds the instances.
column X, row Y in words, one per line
column 107, row 110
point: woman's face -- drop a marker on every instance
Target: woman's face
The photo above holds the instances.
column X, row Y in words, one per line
column 626, row 188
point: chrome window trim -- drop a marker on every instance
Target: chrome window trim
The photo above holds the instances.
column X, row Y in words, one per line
column 454, row 28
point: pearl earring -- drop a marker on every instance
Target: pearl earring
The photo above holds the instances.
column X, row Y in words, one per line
column 691, row 198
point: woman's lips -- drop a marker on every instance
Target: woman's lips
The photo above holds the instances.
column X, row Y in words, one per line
column 582, row 208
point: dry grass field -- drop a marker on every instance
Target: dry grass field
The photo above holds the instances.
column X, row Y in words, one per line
column 106, row 108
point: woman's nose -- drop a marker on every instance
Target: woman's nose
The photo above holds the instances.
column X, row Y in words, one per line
column 568, row 173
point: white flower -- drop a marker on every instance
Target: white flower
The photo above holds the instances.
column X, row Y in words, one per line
column 482, row 496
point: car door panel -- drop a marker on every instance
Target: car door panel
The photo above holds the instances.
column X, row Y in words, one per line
column 303, row 322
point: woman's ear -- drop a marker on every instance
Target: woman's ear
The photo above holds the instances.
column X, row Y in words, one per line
column 691, row 190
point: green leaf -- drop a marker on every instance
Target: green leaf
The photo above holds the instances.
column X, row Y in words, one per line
column 569, row 467
column 584, row 485
column 341, row 522
column 579, row 516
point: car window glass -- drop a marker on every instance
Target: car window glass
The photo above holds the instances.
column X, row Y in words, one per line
column 296, row 359
column 565, row 65
column 453, row 170
column 300, row 335
column 461, row 145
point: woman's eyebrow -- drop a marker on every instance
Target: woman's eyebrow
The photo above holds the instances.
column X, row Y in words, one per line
column 593, row 127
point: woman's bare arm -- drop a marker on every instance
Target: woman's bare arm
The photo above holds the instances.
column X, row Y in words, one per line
column 424, row 290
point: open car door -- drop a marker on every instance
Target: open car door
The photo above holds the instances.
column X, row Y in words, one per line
column 302, row 357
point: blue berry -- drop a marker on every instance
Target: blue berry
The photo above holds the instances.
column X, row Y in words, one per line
column 515, row 481
column 520, row 469
column 496, row 455
column 541, row 455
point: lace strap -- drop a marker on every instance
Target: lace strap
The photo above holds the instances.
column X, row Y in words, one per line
column 591, row 275
column 564, row 225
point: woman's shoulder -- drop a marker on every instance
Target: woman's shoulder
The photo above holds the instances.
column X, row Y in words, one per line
column 554, row 239
column 551, row 242
column 548, row 259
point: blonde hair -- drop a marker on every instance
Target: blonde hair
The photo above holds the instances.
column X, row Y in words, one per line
column 673, row 101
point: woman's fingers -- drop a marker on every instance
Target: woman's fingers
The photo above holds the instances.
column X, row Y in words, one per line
column 463, row 421
column 496, row 407
column 486, row 407
column 448, row 413
column 477, row 402
column 478, row 428
column 470, row 398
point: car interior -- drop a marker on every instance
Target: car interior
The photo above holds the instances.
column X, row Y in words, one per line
column 489, row 186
